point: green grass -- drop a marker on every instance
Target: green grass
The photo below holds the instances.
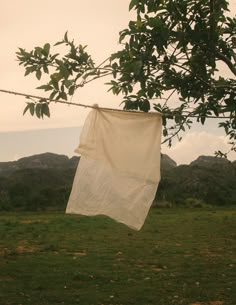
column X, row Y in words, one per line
column 180, row 257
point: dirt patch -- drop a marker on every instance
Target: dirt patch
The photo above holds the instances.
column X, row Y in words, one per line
column 208, row 303
column 157, row 269
column 79, row 253
column 4, row 251
column 28, row 221
column 209, row 253
column 18, row 250
column 23, row 249
column 6, row 278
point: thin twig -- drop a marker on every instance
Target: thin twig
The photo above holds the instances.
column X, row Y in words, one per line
column 84, row 82
column 170, row 95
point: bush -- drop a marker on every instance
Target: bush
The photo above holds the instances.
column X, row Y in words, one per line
column 195, row 203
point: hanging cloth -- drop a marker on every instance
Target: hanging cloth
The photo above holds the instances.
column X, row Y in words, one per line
column 119, row 168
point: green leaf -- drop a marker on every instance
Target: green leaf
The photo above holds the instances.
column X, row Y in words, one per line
column 139, row 22
column 66, row 36
column 32, row 108
column 38, row 51
column 137, row 66
column 63, row 70
column 54, row 82
column 45, row 87
column 45, row 110
column 165, row 132
column 164, row 123
column 56, row 76
column 38, row 110
column 45, row 69
column 38, row 74
column 123, row 35
column 27, row 71
column 132, row 4
column 158, row 107
column 52, row 95
column 203, row 119
column 58, row 43
column 144, row 105
column 71, row 90
column 53, row 56
column 63, row 95
column 46, row 48
column 178, row 118
column 154, row 22
column 68, row 83
column 26, row 108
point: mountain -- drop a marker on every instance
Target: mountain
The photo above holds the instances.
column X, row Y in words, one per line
column 167, row 163
column 50, row 160
column 208, row 179
column 38, row 182
column 42, row 161
column 44, row 181
column 209, row 161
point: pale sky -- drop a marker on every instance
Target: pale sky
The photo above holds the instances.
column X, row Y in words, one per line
column 27, row 24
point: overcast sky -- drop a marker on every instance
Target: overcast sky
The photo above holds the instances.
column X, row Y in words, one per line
column 27, row 24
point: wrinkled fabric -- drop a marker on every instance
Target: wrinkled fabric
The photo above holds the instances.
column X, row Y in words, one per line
column 119, row 168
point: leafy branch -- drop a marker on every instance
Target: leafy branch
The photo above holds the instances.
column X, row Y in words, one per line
column 171, row 47
column 67, row 73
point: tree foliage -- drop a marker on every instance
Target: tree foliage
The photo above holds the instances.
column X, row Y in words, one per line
column 178, row 57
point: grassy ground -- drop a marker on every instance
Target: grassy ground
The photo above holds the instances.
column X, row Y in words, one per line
column 179, row 257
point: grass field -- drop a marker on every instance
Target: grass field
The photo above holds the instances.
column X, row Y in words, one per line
column 179, row 257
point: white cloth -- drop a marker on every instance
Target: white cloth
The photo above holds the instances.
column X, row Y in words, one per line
column 119, row 168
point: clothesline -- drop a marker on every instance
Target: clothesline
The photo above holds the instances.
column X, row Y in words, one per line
column 45, row 98
column 64, row 102
column 96, row 106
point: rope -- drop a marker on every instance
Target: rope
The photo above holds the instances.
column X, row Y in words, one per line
column 45, row 98
column 103, row 108
column 95, row 106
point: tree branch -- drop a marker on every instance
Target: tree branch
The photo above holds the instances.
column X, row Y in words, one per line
column 198, row 77
column 227, row 61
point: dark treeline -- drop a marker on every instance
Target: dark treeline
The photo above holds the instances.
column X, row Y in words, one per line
column 43, row 182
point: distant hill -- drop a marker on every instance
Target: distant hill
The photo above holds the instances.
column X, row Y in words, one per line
column 38, row 182
column 207, row 179
column 44, row 181
column 167, row 163
column 42, row 161
column 55, row 161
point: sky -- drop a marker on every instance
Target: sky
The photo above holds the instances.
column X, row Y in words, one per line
column 27, row 24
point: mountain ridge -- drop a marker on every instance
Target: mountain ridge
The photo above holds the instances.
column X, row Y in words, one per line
column 52, row 160
column 44, row 181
